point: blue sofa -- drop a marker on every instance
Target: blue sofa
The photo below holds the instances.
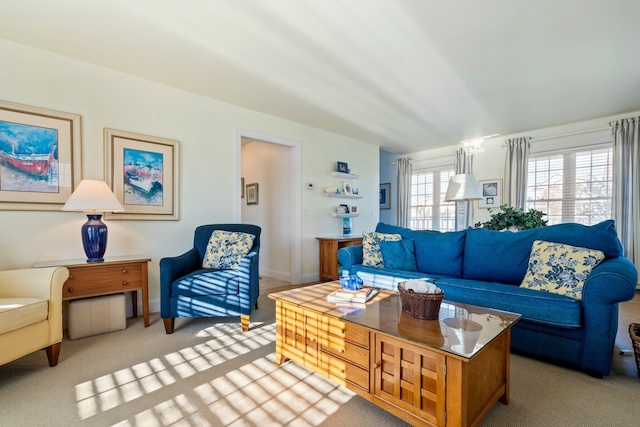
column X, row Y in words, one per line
column 485, row 268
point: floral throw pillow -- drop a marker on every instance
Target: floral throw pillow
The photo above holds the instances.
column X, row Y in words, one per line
column 559, row 268
column 371, row 254
column 226, row 248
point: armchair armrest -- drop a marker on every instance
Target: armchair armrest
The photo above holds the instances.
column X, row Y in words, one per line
column 44, row 283
column 172, row 268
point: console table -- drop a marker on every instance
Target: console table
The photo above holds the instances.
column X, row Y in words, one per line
column 329, row 247
column 114, row 275
column 445, row 372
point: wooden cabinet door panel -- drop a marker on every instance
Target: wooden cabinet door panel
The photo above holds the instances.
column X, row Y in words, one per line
column 410, row 377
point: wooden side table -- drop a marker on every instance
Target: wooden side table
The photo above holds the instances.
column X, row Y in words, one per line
column 329, row 247
column 114, row 275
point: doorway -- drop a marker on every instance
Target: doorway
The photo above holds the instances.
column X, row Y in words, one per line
column 270, row 165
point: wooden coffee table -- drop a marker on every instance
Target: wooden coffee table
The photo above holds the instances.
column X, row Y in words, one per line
column 449, row 371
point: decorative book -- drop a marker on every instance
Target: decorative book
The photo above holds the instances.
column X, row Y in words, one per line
column 362, row 295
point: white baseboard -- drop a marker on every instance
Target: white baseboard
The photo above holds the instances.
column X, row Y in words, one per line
column 154, row 307
column 279, row 275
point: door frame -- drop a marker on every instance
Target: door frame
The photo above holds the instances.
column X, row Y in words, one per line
column 296, row 190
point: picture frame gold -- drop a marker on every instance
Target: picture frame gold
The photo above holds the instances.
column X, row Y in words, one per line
column 40, row 152
column 143, row 173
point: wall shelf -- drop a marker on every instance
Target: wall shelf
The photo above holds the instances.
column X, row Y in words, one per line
column 349, row 215
column 343, row 196
column 344, row 175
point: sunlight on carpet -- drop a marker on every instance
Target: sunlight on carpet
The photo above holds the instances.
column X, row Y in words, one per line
column 258, row 392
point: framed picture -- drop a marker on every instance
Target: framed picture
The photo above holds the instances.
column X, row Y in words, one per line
column 346, row 188
column 354, row 209
column 491, row 190
column 242, row 188
column 355, row 191
column 142, row 171
column 343, row 167
column 344, row 208
column 252, row 194
column 385, row 195
column 341, row 210
column 40, row 157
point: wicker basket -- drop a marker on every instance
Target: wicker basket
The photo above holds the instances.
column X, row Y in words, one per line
column 422, row 306
column 634, row 332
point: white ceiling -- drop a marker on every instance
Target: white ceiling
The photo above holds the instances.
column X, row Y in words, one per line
column 407, row 75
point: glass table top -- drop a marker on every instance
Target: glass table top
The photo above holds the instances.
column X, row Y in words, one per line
column 461, row 329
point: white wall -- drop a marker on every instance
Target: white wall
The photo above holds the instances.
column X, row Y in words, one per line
column 206, row 129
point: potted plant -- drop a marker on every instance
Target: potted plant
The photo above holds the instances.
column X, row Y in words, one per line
column 509, row 218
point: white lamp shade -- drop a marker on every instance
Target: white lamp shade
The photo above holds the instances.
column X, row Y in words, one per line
column 462, row 187
column 93, row 196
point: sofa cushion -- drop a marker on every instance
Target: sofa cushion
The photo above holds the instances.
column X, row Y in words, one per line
column 226, row 248
column 436, row 253
column 535, row 306
column 371, row 255
column 503, row 257
column 560, row 269
column 16, row 313
column 399, row 254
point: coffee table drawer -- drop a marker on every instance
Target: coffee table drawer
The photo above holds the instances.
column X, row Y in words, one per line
column 345, row 350
column 346, row 331
column 340, row 370
column 128, row 272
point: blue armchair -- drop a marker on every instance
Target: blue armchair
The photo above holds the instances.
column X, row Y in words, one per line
column 188, row 290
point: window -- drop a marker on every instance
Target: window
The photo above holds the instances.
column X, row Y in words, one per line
column 429, row 211
column 572, row 186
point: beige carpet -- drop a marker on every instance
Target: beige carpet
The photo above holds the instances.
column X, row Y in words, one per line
column 208, row 373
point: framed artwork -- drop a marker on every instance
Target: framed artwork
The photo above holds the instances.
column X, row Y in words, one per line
column 346, row 188
column 385, row 195
column 40, row 162
column 252, row 194
column 242, row 188
column 491, row 190
column 142, row 171
column 343, row 167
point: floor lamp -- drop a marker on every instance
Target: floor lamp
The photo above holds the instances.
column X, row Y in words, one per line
column 462, row 187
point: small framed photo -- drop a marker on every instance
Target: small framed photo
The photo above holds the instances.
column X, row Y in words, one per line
column 354, row 209
column 346, row 188
column 345, row 208
column 491, row 190
column 355, row 191
column 343, row 167
column 385, row 195
column 252, row 194
column 341, row 209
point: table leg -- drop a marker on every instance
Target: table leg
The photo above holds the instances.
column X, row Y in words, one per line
column 134, row 303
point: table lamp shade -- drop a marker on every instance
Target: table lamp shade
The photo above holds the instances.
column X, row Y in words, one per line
column 93, row 196
column 462, row 187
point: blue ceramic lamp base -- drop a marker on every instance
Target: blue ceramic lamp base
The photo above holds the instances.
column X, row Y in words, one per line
column 94, row 238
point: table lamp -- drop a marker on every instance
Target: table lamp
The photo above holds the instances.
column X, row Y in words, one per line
column 92, row 196
column 462, row 188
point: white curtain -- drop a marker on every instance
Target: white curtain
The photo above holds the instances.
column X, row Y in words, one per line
column 626, row 185
column 404, row 192
column 463, row 164
column 515, row 172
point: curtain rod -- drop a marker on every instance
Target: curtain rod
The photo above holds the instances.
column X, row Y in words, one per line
column 570, row 134
column 427, row 158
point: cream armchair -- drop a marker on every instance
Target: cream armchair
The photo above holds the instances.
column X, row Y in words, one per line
column 31, row 312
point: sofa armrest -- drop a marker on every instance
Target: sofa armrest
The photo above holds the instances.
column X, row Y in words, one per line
column 349, row 256
column 614, row 280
